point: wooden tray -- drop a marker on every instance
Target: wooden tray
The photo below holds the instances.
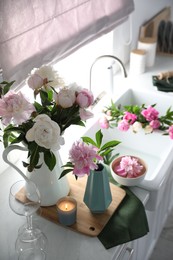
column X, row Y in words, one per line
column 86, row 222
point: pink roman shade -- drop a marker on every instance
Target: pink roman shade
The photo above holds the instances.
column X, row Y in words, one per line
column 37, row 32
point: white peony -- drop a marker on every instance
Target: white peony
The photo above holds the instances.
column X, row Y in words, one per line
column 136, row 127
column 65, row 98
column 46, row 133
column 44, row 76
column 73, row 86
column 148, row 129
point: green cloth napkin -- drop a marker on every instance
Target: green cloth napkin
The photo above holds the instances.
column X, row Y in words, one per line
column 128, row 222
column 163, row 84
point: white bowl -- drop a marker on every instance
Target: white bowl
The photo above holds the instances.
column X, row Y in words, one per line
column 125, row 180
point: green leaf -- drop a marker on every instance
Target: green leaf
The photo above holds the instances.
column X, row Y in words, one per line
column 50, row 159
column 64, row 172
column 88, row 140
column 106, row 152
column 38, row 166
column 43, row 95
column 68, row 164
column 110, row 144
column 50, row 95
column 99, row 137
column 7, row 86
column 114, row 156
column 37, row 106
column 11, row 128
column 18, row 139
column 5, row 139
column 34, row 158
column 154, row 105
column 109, row 158
column 45, row 98
column 25, row 164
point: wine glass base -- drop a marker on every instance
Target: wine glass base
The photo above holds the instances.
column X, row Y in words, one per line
column 32, row 242
column 33, row 254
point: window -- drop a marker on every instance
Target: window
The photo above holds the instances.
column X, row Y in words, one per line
column 39, row 32
column 76, row 67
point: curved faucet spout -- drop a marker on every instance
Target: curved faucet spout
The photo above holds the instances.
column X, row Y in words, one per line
column 112, row 57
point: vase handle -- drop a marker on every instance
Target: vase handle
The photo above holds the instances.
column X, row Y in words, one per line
column 5, row 158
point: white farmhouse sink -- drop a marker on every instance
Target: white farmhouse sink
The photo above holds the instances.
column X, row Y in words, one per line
column 155, row 149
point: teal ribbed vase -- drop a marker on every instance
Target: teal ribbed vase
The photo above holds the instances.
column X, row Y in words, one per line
column 98, row 195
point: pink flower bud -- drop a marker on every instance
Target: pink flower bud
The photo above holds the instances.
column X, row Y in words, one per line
column 35, row 81
column 104, row 123
column 123, row 125
column 84, row 98
column 155, row 124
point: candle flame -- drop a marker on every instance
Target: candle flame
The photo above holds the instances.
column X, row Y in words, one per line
column 66, row 206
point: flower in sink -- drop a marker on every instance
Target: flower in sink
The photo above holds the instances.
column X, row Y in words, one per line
column 170, row 131
column 150, row 113
column 136, row 117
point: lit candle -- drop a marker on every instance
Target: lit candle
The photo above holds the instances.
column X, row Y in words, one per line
column 67, row 209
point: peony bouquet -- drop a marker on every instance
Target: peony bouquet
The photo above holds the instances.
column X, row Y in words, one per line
column 40, row 124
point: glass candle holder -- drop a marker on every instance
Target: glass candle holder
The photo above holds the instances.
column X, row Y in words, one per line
column 67, row 211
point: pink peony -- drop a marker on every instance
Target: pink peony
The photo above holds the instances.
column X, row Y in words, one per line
column 131, row 118
column 155, row 124
column 170, row 131
column 84, row 98
column 129, row 166
column 104, row 123
column 123, row 125
column 150, row 113
column 15, row 107
column 83, row 158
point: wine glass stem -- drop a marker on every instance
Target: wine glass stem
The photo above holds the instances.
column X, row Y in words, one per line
column 29, row 222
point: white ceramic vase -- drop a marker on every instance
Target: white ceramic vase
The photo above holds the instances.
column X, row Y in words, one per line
column 50, row 186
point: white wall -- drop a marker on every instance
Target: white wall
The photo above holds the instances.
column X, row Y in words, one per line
column 126, row 35
column 145, row 10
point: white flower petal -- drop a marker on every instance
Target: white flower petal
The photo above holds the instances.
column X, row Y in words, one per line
column 46, row 133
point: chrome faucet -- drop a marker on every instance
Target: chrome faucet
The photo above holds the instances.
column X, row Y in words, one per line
column 122, row 68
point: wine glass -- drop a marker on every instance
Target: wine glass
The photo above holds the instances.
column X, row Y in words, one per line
column 24, row 200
